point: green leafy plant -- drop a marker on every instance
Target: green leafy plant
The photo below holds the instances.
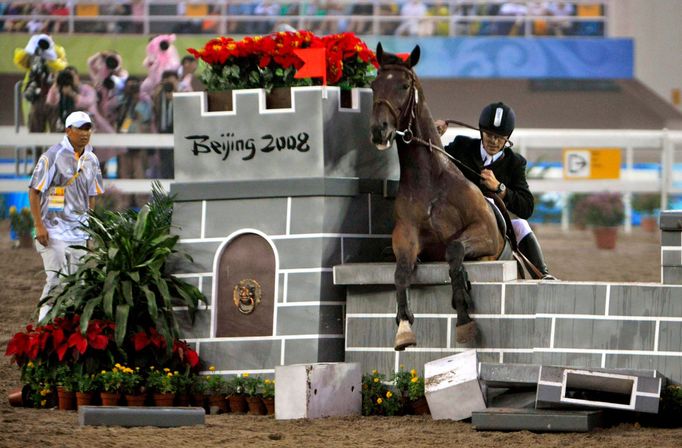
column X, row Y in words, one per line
column 64, row 377
column 252, row 385
column 161, row 381
column 123, row 278
column 112, row 380
column 415, row 390
column 183, row 381
column 132, row 381
column 199, row 384
column 268, row 388
column 87, row 382
column 373, row 391
column 21, row 222
column 646, row 203
column 215, row 384
column 401, row 380
column 236, row 385
column 40, row 380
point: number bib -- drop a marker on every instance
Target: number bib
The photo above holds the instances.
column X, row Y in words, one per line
column 55, row 199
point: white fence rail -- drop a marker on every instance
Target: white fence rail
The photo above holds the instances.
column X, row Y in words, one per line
column 659, row 148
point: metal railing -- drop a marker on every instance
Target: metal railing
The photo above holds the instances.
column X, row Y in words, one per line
column 448, row 17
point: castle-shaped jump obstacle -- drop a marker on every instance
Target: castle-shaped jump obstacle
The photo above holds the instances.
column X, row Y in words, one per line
column 286, row 213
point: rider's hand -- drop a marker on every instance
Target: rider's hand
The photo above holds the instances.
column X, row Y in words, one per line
column 489, row 180
column 41, row 234
column 441, row 126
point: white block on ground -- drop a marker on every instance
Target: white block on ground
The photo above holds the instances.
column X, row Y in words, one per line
column 318, row 390
column 452, row 388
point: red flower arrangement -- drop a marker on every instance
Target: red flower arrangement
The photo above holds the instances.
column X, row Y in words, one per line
column 269, row 61
column 60, row 340
column 181, row 351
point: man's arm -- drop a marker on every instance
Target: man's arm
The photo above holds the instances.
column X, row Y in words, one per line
column 34, row 200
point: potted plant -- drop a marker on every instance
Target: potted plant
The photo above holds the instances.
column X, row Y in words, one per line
column 604, row 212
column 236, row 394
column 87, row 384
column 198, row 390
column 39, row 378
column 401, row 382
column 216, row 387
column 270, row 62
column 66, row 388
column 133, row 386
column 268, row 395
column 112, row 384
column 415, row 392
column 647, row 204
column 160, row 383
column 183, row 386
column 252, row 389
column 21, row 225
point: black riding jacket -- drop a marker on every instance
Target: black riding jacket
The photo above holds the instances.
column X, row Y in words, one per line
column 509, row 169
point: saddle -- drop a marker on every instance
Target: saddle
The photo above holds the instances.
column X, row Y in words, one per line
column 507, row 252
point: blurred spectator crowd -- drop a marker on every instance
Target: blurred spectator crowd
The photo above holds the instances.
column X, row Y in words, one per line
column 383, row 17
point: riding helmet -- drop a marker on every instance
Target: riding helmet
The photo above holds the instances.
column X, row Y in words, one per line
column 497, row 118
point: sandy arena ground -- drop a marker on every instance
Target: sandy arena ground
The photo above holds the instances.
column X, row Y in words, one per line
column 572, row 256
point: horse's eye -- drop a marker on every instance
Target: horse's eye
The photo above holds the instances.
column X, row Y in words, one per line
column 406, row 86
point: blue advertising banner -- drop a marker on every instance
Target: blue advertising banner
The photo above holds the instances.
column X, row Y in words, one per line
column 516, row 57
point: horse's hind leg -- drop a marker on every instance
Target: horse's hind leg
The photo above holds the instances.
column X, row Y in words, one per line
column 461, row 300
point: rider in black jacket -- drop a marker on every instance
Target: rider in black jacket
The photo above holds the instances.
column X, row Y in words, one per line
column 501, row 171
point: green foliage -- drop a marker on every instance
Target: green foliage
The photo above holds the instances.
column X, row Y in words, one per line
column 182, row 381
column 111, row 380
column 87, row 382
column 161, row 381
column 132, row 381
column 215, row 384
column 41, row 380
column 65, row 378
column 401, row 380
column 122, row 276
column 268, row 388
column 21, row 222
column 236, row 384
column 373, row 391
column 646, row 203
column 252, row 385
column 416, row 388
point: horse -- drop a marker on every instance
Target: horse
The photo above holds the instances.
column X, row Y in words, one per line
column 436, row 206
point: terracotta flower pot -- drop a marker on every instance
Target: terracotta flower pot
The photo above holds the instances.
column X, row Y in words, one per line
column 269, row 405
column 84, row 398
column 182, row 400
column 110, row 398
column 136, row 399
column 199, row 400
column 238, row 404
column 163, row 399
column 18, row 397
column 256, row 406
column 67, row 399
column 420, row 406
column 217, row 404
column 605, row 237
column 649, row 224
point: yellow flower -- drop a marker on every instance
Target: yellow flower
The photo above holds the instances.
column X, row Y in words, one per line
column 402, row 366
column 169, row 374
column 415, row 379
column 30, row 364
column 119, row 366
column 245, row 375
column 103, row 372
column 413, row 372
column 267, row 381
column 152, row 368
column 379, row 401
column 389, row 394
column 166, row 370
column 376, row 380
column 211, row 368
column 375, row 371
column 43, row 392
column 176, row 373
column 43, row 402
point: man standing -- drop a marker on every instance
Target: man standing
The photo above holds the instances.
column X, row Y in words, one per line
column 496, row 168
column 63, row 187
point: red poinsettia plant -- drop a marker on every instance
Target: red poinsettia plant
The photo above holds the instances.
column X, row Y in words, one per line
column 150, row 349
column 270, row 61
column 60, row 341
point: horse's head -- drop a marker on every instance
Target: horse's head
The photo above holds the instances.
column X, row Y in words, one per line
column 395, row 96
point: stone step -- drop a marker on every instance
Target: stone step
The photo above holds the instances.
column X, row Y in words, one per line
column 424, row 273
column 164, row 417
column 541, row 420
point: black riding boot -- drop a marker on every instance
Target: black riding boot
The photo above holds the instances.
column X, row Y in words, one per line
column 531, row 249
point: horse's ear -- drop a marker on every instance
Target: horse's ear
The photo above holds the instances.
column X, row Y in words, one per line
column 414, row 56
column 379, row 53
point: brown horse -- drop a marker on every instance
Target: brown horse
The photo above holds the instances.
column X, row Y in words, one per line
column 435, row 205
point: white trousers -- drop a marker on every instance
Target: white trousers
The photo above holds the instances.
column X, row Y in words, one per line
column 58, row 258
column 521, row 226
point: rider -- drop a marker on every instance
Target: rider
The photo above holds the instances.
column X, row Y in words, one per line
column 502, row 171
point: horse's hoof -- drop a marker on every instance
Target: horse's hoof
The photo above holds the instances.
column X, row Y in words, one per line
column 466, row 333
column 405, row 337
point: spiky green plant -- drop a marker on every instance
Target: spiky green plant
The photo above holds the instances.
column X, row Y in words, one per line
column 122, row 276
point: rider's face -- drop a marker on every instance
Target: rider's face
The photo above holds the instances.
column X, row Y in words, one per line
column 493, row 143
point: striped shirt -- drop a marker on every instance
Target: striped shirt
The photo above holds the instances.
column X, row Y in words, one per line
column 54, row 169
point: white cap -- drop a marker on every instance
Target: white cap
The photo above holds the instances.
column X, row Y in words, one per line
column 77, row 119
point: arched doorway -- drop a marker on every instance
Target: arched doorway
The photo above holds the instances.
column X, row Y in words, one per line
column 245, row 294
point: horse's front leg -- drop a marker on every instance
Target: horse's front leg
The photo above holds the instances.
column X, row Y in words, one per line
column 461, row 300
column 406, row 248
